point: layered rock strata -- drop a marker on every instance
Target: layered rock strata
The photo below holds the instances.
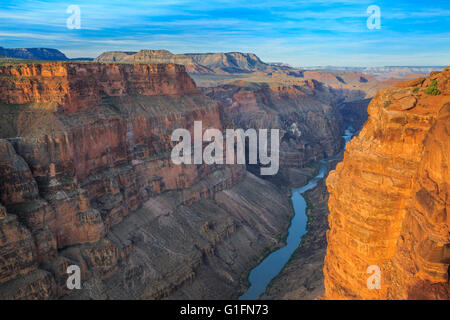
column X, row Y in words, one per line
column 86, row 179
column 305, row 113
column 389, row 199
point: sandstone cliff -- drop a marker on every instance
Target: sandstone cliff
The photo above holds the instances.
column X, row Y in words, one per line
column 86, row 179
column 389, row 199
column 305, row 112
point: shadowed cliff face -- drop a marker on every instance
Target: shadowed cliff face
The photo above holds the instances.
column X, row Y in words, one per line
column 310, row 108
column 306, row 114
column 86, row 179
column 389, row 199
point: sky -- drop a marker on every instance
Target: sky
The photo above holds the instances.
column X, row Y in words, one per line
column 301, row 33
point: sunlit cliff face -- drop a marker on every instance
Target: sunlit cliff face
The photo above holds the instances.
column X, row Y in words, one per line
column 389, row 199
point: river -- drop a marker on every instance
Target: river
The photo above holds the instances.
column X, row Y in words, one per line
column 271, row 266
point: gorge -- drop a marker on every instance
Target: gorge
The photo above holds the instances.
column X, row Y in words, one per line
column 86, row 179
column 273, row 268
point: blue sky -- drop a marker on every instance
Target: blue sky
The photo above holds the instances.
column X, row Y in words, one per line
column 301, row 33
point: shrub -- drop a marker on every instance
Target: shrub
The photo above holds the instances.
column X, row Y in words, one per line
column 415, row 90
column 433, row 90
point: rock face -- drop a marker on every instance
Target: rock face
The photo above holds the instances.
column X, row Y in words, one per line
column 70, row 87
column 33, row 53
column 235, row 62
column 305, row 113
column 389, row 199
column 198, row 63
column 153, row 56
column 86, row 179
column 354, row 112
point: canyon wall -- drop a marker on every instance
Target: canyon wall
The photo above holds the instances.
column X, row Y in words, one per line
column 153, row 57
column 306, row 114
column 198, row 63
column 389, row 198
column 86, row 179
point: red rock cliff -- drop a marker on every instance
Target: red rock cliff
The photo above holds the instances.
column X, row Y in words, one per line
column 86, row 179
column 305, row 112
column 75, row 86
column 389, row 199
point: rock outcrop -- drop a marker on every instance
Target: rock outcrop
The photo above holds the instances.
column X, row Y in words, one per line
column 69, row 87
column 389, row 199
column 86, row 179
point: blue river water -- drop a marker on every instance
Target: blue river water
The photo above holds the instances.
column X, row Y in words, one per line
column 271, row 266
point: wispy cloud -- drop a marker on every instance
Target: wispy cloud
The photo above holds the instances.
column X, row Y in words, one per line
column 305, row 32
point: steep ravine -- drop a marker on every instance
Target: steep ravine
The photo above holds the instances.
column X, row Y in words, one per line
column 302, row 277
column 305, row 113
column 86, row 179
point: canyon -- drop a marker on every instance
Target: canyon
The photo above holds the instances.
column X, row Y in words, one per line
column 86, row 179
column 311, row 108
column 305, row 113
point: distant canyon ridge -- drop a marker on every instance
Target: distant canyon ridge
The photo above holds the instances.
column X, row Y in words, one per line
column 226, row 63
